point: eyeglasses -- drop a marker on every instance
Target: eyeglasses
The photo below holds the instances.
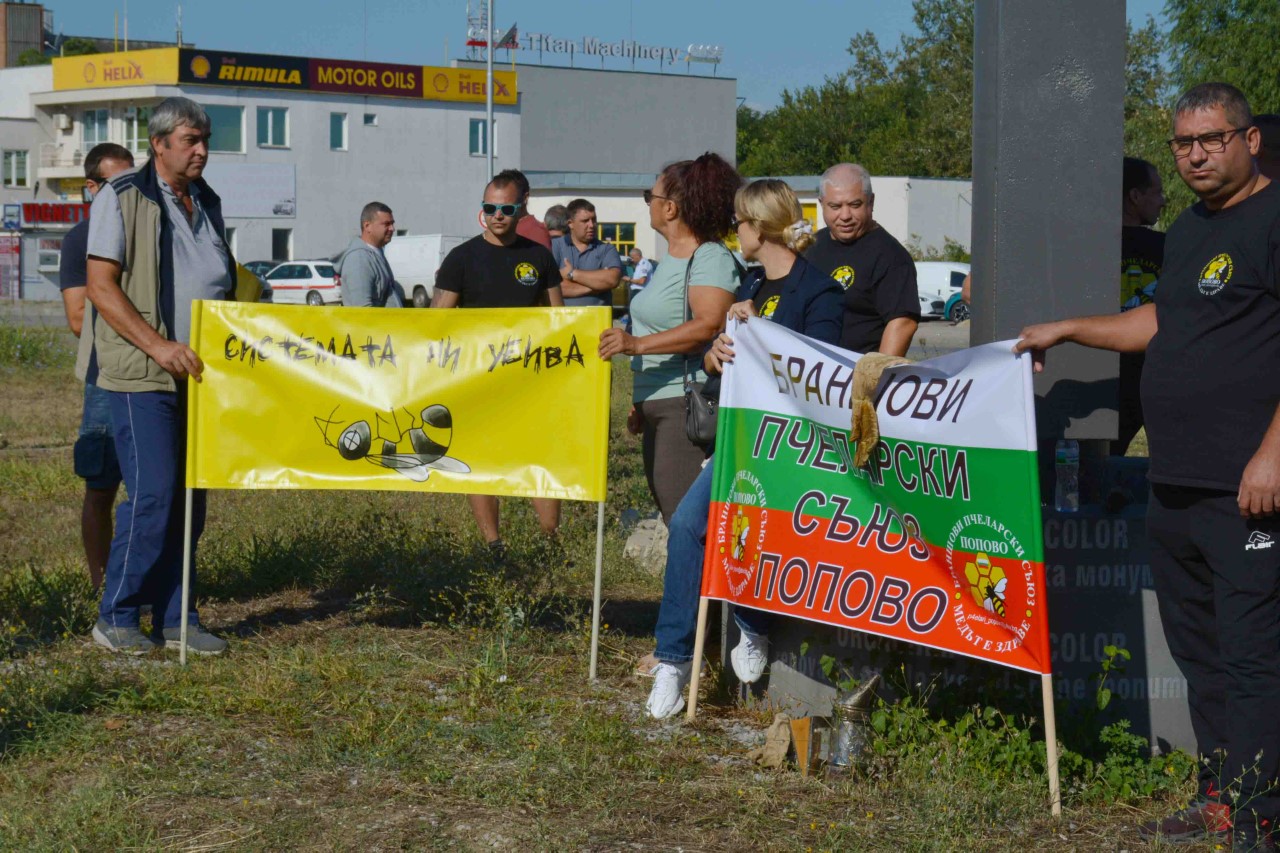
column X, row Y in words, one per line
column 735, row 222
column 650, row 195
column 504, row 209
column 1211, row 143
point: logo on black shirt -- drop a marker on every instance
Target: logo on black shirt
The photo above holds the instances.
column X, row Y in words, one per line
column 1216, row 274
column 527, row 274
column 770, row 305
column 844, row 275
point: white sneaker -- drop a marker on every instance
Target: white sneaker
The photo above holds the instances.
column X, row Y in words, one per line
column 750, row 657
column 666, row 699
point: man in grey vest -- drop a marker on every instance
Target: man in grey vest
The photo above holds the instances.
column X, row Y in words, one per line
column 367, row 279
column 156, row 243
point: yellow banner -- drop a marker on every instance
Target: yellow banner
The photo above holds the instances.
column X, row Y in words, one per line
column 466, row 84
column 126, row 68
column 484, row 401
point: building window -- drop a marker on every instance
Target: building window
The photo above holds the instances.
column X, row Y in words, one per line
column 478, row 146
column 370, row 119
column 15, row 169
column 228, row 128
column 135, row 129
column 231, row 240
column 273, row 127
column 621, row 234
column 337, row 131
column 402, row 232
column 94, row 128
column 281, row 244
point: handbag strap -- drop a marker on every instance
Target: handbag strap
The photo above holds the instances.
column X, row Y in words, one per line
column 688, row 313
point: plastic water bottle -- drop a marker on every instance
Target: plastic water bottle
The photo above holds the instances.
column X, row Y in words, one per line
column 1066, row 494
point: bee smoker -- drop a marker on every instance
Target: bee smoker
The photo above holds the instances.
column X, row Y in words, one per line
column 853, row 714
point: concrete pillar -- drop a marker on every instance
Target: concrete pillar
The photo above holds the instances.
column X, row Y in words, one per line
column 1048, row 99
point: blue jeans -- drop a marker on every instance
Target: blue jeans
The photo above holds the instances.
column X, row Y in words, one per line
column 94, row 455
column 682, row 582
column 145, row 566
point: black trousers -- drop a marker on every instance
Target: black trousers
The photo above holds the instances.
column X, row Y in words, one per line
column 1217, row 581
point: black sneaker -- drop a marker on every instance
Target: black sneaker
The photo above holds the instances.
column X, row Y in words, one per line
column 1200, row 821
column 1249, row 835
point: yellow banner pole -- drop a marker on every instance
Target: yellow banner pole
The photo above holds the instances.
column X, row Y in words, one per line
column 1051, row 744
column 699, row 641
column 595, row 595
column 186, row 577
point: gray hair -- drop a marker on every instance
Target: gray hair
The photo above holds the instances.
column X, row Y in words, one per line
column 556, row 218
column 843, row 175
column 371, row 210
column 173, row 113
column 1206, row 96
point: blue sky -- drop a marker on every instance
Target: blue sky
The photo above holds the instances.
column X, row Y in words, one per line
column 768, row 46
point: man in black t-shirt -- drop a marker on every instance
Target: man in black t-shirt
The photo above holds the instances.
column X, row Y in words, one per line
column 1210, row 393
column 881, row 305
column 94, row 456
column 500, row 269
column 1141, row 256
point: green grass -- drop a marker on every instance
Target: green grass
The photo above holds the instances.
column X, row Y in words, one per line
column 387, row 688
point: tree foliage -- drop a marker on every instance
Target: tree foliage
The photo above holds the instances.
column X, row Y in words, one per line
column 902, row 110
column 74, row 46
column 908, row 109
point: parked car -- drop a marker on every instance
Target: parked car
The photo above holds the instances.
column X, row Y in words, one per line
column 957, row 309
column 414, row 261
column 312, row 282
column 931, row 309
column 260, row 268
column 251, row 287
column 940, row 279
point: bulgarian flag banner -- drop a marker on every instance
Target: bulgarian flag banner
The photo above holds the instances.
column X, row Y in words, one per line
column 935, row 541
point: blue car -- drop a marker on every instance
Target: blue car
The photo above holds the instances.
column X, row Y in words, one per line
column 957, row 309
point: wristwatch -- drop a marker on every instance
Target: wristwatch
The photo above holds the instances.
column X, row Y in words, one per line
column 571, row 273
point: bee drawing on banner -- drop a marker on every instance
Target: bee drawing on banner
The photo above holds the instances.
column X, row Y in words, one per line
column 411, row 445
column 988, row 584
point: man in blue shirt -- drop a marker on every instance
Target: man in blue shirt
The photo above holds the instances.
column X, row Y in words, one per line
column 94, row 456
column 589, row 268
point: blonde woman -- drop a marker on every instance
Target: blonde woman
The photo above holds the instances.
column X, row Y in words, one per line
column 784, row 289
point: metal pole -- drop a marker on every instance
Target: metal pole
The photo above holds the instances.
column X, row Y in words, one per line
column 595, row 595
column 488, row 89
column 186, row 578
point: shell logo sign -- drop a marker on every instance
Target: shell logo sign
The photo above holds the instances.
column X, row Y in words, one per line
column 108, row 70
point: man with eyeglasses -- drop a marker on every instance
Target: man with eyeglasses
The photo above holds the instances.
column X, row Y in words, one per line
column 1210, row 390
column 500, row 269
column 94, row 456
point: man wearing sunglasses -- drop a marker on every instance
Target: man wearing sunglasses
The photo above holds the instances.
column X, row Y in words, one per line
column 1210, row 390
column 500, row 269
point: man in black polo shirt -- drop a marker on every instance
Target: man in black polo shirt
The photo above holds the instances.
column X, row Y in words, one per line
column 1210, row 390
column 1141, row 257
column 881, row 306
column 500, row 269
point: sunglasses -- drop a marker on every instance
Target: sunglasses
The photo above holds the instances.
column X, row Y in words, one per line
column 734, row 222
column 650, row 195
column 504, row 209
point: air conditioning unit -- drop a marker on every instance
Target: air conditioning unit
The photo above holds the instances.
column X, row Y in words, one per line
column 62, row 121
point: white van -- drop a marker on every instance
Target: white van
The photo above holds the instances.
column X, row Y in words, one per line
column 938, row 280
column 414, row 261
